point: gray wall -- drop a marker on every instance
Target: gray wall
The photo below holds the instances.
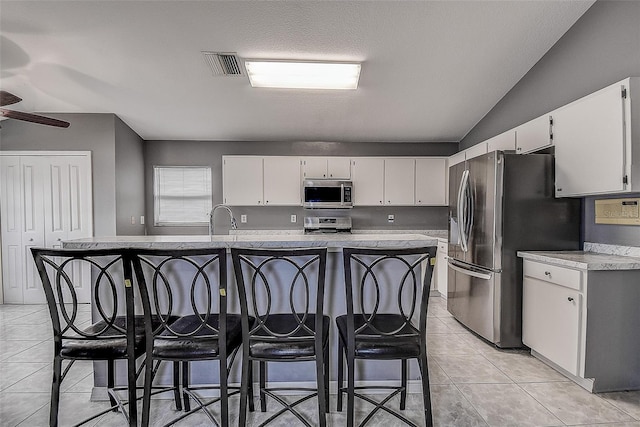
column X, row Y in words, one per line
column 117, row 163
column 209, row 153
column 601, row 48
column 129, row 176
column 87, row 132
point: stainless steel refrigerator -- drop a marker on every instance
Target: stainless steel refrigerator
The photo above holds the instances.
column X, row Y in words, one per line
column 500, row 203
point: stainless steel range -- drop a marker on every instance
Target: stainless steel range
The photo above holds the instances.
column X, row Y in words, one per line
column 327, row 224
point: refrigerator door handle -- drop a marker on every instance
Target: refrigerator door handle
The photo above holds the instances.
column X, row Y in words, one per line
column 462, row 211
column 473, row 273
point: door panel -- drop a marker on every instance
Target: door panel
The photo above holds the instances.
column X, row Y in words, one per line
column 455, row 176
column 482, row 179
column 11, row 231
column 471, row 301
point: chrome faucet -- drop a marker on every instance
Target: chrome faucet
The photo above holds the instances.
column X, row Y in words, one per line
column 234, row 224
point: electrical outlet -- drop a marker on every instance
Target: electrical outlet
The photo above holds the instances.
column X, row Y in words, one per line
column 141, row 219
column 294, row 218
column 391, row 218
column 133, row 220
column 243, row 219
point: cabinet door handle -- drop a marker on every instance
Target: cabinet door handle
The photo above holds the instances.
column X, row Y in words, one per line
column 547, row 273
column 31, row 240
column 570, row 299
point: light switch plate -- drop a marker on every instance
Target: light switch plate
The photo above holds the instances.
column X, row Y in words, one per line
column 618, row 211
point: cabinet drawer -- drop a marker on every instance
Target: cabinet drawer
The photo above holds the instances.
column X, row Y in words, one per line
column 552, row 273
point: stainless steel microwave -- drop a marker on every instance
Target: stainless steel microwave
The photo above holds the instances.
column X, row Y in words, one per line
column 327, row 194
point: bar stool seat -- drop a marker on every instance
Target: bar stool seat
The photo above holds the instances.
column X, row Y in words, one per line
column 206, row 348
column 405, row 344
column 290, row 348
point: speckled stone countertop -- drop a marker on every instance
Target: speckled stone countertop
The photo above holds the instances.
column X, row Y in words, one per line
column 439, row 234
column 255, row 240
column 584, row 260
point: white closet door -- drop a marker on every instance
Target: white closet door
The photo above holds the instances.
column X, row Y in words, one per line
column 11, row 216
column 45, row 199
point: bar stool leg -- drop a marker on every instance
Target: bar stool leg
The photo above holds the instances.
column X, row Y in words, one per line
column 403, row 393
column 250, row 391
column 340, row 374
column 426, row 396
column 326, row 377
column 245, row 381
column 263, row 385
column 111, row 381
column 185, row 384
column 351, row 390
column 320, row 374
column 55, row 391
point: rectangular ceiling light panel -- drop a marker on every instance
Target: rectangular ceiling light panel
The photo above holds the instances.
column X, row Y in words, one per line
column 303, row 75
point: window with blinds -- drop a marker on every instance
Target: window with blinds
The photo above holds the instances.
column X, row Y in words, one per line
column 182, row 195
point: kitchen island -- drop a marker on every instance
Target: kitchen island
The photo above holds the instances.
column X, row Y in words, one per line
column 299, row 373
column 264, row 239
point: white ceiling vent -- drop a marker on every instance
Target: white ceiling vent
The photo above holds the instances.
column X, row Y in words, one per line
column 223, row 63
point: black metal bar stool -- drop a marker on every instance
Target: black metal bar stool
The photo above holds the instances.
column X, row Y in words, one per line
column 186, row 289
column 285, row 290
column 383, row 328
column 110, row 338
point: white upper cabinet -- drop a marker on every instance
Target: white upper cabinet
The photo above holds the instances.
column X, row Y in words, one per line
column 476, row 150
column 594, row 144
column 454, row 159
column 367, row 174
column 242, row 180
column 399, row 181
column 431, row 186
column 261, row 181
column 505, row 141
column 326, row 167
column 534, row 135
column 282, row 181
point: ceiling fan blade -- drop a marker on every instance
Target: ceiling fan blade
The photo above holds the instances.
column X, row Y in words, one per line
column 33, row 118
column 7, row 98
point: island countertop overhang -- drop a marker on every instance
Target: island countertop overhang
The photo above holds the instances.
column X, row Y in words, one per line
column 335, row 241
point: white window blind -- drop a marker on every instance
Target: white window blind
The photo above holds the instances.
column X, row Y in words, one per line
column 182, row 195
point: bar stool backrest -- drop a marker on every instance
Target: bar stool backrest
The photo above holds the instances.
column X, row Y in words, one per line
column 296, row 276
column 387, row 281
column 182, row 282
column 63, row 270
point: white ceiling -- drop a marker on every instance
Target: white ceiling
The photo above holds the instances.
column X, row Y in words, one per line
column 431, row 69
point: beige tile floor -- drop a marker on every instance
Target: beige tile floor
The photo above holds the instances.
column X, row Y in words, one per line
column 472, row 384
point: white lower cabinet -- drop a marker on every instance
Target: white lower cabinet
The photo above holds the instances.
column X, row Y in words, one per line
column 584, row 323
column 439, row 282
column 551, row 322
